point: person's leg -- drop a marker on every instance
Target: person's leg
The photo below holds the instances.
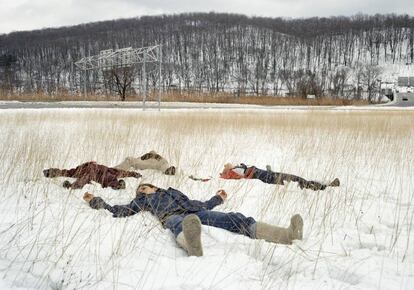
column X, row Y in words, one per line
column 280, row 235
column 174, row 224
column 281, row 178
column 124, row 173
column 233, row 221
column 139, row 164
column 187, row 231
column 126, row 164
column 79, row 183
column 238, row 223
column 265, row 176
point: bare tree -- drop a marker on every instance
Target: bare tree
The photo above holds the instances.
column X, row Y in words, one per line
column 370, row 78
column 120, row 80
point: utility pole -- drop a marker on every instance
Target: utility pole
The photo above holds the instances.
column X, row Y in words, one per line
column 144, row 76
column 159, row 77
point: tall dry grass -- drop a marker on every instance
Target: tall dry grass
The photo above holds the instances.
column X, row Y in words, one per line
column 193, row 97
column 50, row 238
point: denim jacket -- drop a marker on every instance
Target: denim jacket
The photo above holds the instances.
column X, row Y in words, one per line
column 163, row 203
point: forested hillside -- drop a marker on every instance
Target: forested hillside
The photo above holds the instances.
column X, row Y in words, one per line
column 337, row 56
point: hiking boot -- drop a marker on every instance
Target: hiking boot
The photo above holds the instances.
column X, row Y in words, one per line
column 147, row 156
column 170, row 171
column 273, row 234
column 151, row 155
column 313, row 186
column 335, row 182
column 280, row 235
column 296, row 225
column 192, row 235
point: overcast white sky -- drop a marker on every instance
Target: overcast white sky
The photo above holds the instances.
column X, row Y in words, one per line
column 34, row 14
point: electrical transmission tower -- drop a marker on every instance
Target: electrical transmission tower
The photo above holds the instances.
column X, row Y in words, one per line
column 123, row 58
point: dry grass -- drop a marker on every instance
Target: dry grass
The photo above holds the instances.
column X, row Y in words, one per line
column 48, row 230
column 227, row 98
column 196, row 97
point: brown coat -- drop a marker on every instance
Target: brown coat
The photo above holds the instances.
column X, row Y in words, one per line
column 91, row 171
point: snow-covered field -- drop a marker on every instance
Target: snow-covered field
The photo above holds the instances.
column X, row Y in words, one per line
column 357, row 236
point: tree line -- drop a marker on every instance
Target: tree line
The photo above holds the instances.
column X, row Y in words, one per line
column 336, row 56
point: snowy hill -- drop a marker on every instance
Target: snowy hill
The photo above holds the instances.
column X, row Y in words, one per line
column 220, row 52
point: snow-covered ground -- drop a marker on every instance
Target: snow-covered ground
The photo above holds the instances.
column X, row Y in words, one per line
column 192, row 105
column 357, row 236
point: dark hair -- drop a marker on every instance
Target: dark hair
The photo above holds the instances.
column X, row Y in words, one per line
column 145, row 184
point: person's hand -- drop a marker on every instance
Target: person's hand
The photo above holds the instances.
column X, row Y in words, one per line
column 222, row 194
column 88, row 196
column 95, row 202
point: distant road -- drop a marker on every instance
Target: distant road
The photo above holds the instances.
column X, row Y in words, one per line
column 402, row 100
column 398, row 102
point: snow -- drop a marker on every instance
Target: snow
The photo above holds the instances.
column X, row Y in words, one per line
column 174, row 106
column 357, row 236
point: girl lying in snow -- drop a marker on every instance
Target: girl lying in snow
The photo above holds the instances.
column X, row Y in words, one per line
column 108, row 176
column 184, row 217
column 92, row 171
column 268, row 176
column 150, row 160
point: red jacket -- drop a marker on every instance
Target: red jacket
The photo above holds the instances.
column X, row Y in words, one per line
column 236, row 173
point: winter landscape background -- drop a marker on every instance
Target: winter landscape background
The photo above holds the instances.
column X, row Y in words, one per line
column 356, row 236
column 346, row 56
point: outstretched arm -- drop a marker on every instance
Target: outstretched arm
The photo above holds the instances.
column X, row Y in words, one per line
column 132, row 208
column 216, row 200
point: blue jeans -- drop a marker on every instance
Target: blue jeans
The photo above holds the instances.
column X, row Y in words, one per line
column 280, row 178
column 234, row 222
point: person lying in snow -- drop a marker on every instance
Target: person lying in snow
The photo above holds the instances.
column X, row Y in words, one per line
column 184, row 217
column 91, row 171
column 268, row 176
column 150, row 160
